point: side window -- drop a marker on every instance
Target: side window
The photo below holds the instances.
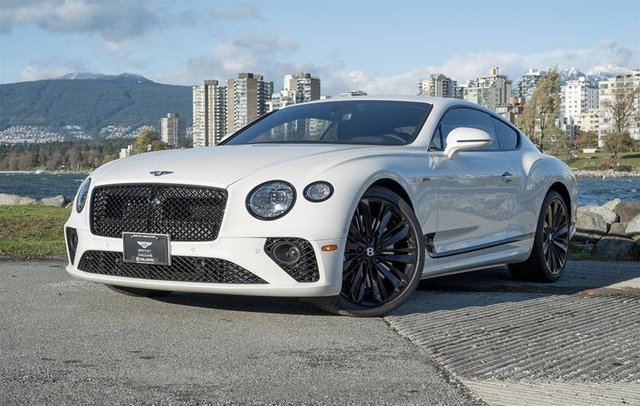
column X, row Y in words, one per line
column 463, row 117
column 436, row 141
column 507, row 136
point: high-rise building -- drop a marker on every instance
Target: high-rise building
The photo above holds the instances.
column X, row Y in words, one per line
column 173, row 130
column 587, row 121
column 489, row 91
column 304, row 86
column 209, row 113
column 578, row 96
column 247, row 97
column 606, row 96
column 437, row 85
column 527, row 83
column 282, row 99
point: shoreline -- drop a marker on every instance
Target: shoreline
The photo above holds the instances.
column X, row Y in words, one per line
column 606, row 173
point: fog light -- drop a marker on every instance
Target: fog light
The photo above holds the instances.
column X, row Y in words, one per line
column 286, row 253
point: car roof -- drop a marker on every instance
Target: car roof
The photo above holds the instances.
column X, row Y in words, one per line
column 440, row 102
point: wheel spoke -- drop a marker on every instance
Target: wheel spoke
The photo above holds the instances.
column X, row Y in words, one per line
column 402, row 233
column 405, row 259
column 367, row 220
column 398, row 283
column 384, row 221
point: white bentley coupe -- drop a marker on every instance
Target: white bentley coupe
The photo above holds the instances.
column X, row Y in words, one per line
column 347, row 202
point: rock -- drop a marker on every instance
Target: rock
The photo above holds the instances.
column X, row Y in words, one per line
column 618, row 230
column 12, row 200
column 633, row 228
column 590, row 225
column 55, row 201
column 612, row 204
column 618, row 249
column 609, row 216
column 627, row 210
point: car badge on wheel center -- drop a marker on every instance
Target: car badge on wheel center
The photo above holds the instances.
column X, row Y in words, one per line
column 371, row 252
column 160, row 173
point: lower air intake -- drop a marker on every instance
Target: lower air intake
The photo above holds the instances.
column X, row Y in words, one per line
column 182, row 269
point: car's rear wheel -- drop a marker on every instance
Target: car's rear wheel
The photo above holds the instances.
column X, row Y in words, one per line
column 383, row 259
column 139, row 292
column 550, row 250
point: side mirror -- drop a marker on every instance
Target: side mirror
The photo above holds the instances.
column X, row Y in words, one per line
column 464, row 139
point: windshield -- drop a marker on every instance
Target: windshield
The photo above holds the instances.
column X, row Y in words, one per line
column 341, row 122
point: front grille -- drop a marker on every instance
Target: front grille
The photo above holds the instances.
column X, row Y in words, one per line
column 182, row 269
column 306, row 268
column 186, row 213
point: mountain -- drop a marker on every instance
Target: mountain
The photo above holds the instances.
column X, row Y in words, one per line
column 92, row 101
column 568, row 74
column 598, row 73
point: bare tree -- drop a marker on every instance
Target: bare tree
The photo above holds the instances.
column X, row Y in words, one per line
column 542, row 110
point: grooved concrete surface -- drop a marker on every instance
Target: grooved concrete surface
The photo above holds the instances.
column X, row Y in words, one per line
column 513, row 344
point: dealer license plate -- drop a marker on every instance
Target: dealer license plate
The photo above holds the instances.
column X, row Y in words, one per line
column 150, row 249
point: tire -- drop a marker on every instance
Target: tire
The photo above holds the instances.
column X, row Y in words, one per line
column 383, row 260
column 139, row 292
column 550, row 250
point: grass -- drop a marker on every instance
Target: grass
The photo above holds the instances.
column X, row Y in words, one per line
column 595, row 161
column 32, row 231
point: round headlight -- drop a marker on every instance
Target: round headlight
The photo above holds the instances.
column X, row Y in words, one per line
column 271, row 200
column 318, row 191
column 83, row 193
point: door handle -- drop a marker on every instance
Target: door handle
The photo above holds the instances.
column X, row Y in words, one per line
column 507, row 177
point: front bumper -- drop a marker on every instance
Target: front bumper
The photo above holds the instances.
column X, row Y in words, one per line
column 248, row 253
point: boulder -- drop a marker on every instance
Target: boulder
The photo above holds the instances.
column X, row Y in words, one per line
column 618, row 249
column 618, row 230
column 627, row 210
column 12, row 200
column 633, row 228
column 612, row 204
column 590, row 225
column 55, row 201
column 609, row 216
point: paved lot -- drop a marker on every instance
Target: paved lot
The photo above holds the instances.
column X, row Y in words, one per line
column 64, row 341
column 458, row 339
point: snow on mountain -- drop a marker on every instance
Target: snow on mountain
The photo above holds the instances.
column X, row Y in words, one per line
column 123, row 77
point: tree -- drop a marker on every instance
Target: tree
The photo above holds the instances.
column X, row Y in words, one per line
column 558, row 143
column 617, row 142
column 542, row 110
column 147, row 140
column 621, row 106
column 587, row 139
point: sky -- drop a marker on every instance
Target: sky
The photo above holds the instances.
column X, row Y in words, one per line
column 381, row 47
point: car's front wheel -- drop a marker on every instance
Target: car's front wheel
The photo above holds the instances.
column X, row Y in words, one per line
column 139, row 292
column 551, row 243
column 383, row 259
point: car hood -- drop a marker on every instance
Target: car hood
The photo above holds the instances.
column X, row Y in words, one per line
column 221, row 166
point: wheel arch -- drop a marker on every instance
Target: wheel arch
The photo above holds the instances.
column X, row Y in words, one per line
column 395, row 187
column 566, row 196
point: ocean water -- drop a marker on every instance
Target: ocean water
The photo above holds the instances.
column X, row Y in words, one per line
column 591, row 190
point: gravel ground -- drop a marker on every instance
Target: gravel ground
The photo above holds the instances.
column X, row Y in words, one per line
column 65, row 341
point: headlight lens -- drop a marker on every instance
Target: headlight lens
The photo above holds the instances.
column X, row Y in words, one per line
column 83, row 192
column 318, row 191
column 271, row 200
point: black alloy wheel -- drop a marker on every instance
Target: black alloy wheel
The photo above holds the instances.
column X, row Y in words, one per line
column 550, row 249
column 383, row 259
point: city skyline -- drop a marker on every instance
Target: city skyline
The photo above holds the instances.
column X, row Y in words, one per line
column 351, row 45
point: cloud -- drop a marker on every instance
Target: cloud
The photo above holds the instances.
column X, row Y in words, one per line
column 114, row 20
column 335, row 78
column 274, row 56
column 257, row 52
column 52, row 67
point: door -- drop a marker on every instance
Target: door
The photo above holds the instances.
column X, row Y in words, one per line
column 476, row 191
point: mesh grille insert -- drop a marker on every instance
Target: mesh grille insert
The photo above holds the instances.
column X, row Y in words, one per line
column 305, row 269
column 182, row 269
column 186, row 213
